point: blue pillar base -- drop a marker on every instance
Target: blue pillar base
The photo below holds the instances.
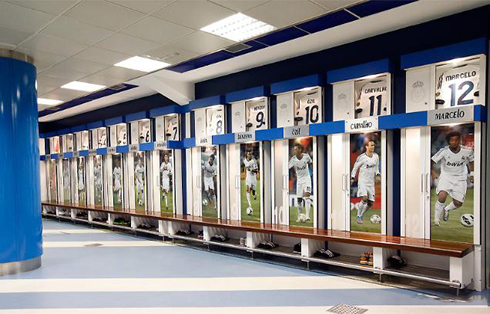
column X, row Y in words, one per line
column 20, row 267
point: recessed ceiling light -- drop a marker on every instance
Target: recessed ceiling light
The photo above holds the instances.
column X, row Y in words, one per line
column 48, row 102
column 238, row 27
column 142, row 64
column 82, row 86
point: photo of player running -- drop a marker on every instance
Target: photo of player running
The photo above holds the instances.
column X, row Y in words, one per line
column 452, row 183
column 82, row 194
column 166, row 172
column 250, row 182
column 98, row 181
column 300, row 182
column 209, row 168
column 117, row 181
column 66, row 180
column 52, row 181
column 365, row 182
column 139, row 180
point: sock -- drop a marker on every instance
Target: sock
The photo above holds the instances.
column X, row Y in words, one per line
column 300, row 207
column 365, row 209
column 439, row 208
column 308, row 206
column 451, row 206
column 214, row 200
column 248, row 199
column 360, row 208
column 166, row 200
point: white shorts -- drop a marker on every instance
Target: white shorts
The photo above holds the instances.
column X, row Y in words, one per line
column 166, row 184
column 139, row 185
column 251, row 183
column 117, row 185
column 81, row 186
column 208, row 184
column 366, row 190
column 302, row 187
column 455, row 188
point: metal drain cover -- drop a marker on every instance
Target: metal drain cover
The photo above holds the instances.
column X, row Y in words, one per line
column 93, row 245
column 346, row 309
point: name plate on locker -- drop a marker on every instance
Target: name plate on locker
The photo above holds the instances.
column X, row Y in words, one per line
column 160, row 145
column 296, row 131
column 76, row 154
column 361, row 125
column 111, row 150
column 451, row 115
column 134, row 148
column 244, row 137
column 92, row 152
column 204, row 141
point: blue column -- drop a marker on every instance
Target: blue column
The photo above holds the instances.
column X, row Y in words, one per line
column 20, row 199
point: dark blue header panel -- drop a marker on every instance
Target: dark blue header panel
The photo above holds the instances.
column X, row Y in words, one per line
column 137, row 116
column 166, row 110
column 295, row 84
column 114, row 121
column 356, row 71
column 206, row 102
column 247, row 94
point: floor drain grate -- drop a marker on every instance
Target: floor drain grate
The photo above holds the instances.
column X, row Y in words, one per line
column 346, row 309
column 93, row 245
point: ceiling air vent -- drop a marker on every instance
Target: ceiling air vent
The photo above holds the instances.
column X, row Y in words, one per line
column 117, row 87
column 237, row 48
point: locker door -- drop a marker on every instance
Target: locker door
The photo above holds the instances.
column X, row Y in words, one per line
column 339, row 187
column 234, row 206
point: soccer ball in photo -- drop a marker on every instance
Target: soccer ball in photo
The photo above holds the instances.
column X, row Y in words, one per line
column 302, row 218
column 250, row 211
column 140, row 202
column 467, row 220
column 205, row 202
column 375, row 219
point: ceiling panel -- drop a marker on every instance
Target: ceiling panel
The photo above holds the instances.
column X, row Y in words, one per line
column 81, row 66
column 104, row 14
column 284, row 13
column 127, row 44
column 71, row 29
column 59, row 73
column 53, row 7
column 21, row 18
column 147, row 7
column 154, row 29
column 331, row 5
column 239, row 5
column 63, row 94
column 103, row 56
column 42, row 60
column 53, row 45
column 101, row 80
column 46, row 84
column 10, row 37
column 119, row 73
column 171, row 55
column 194, row 14
column 201, row 43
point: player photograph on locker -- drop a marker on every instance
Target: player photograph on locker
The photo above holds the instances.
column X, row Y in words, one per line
column 139, row 180
column 371, row 97
column 66, row 180
column 250, row 182
column 166, row 181
column 82, row 189
column 52, row 181
column 365, row 182
column 301, row 205
column 452, row 193
column 117, row 181
column 209, row 165
column 98, row 172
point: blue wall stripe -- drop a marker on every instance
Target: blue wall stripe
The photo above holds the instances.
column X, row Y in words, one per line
column 147, row 146
column 327, row 21
column 269, row 135
column 175, row 144
column 122, row 149
column 206, row 102
column 54, row 156
column 403, row 120
column 326, row 128
column 95, row 125
column 281, row 36
column 136, row 116
column 68, row 155
column 51, row 134
column 114, row 121
column 165, row 110
column 63, row 132
column 480, row 113
column 78, row 128
column 372, row 7
column 297, row 83
column 42, row 157
column 223, row 139
column 101, row 151
column 357, row 71
column 246, row 94
column 446, row 53
column 83, row 153
column 189, row 142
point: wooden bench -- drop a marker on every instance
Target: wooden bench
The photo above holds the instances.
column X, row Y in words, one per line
column 460, row 254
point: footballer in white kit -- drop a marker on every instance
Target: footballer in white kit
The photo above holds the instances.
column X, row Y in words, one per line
column 81, row 179
column 166, row 171
column 252, row 168
column 139, row 172
column 368, row 166
column 458, row 86
column 372, row 99
column 210, row 170
column 300, row 162
column 308, row 109
column 98, row 180
column 117, row 176
column 455, row 160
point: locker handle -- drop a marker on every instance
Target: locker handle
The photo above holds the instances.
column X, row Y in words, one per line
column 237, row 182
column 343, row 182
column 422, row 189
column 198, row 182
column 347, row 183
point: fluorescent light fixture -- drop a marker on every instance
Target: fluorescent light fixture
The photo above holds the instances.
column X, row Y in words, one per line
column 82, row 86
column 238, row 27
column 48, row 102
column 142, row 64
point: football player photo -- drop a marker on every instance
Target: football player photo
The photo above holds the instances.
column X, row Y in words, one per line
column 117, row 181
column 139, row 180
column 458, row 84
column 52, row 181
column 250, row 182
column 371, row 98
column 209, row 165
column 98, row 189
column 166, row 172
column 301, row 182
column 452, row 159
column 66, row 181
column 365, row 182
column 307, row 107
column 82, row 191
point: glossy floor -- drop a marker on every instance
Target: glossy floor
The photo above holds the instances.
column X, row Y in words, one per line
column 95, row 271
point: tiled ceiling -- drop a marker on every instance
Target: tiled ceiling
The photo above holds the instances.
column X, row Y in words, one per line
column 83, row 39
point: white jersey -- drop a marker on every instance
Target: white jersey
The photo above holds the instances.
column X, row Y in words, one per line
column 458, row 86
column 368, row 169
column 256, row 115
column 98, row 174
column 305, row 108
column 145, row 134
column 139, row 171
column 209, row 170
column 80, row 178
column 251, row 167
column 121, row 138
column 103, row 139
column 172, row 128
column 116, row 173
column 301, row 166
column 454, row 165
column 372, row 99
column 216, row 121
column 166, row 170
